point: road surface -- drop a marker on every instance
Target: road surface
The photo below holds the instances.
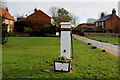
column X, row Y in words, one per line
column 113, row 49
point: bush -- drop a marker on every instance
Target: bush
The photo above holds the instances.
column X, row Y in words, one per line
column 34, row 29
column 49, row 29
column 27, row 30
column 19, row 26
column 4, row 32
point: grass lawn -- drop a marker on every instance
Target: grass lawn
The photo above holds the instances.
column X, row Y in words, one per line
column 111, row 40
column 27, row 57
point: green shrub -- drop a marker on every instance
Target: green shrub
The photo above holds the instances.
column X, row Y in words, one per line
column 4, row 34
column 27, row 29
column 49, row 29
column 19, row 26
column 4, row 31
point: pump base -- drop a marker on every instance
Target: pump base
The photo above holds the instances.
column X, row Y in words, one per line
column 60, row 66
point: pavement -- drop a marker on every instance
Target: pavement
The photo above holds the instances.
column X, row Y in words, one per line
column 113, row 49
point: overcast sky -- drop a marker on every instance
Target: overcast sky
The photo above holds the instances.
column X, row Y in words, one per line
column 61, row 0
column 84, row 10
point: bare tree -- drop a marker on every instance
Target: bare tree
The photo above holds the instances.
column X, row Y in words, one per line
column 62, row 15
column 54, row 11
column 2, row 4
column 59, row 15
column 74, row 20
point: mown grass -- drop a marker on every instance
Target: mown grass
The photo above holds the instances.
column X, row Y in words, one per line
column 111, row 40
column 27, row 57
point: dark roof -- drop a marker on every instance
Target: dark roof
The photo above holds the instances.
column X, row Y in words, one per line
column 88, row 24
column 104, row 18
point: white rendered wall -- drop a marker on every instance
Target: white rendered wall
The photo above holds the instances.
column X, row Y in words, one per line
column 65, row 40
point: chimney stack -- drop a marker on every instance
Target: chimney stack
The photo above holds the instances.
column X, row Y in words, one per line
column 113, row 11
column 7, row 9
column 35, row 10
column 102, row 14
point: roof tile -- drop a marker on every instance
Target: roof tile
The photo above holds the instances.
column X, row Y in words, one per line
column 6, row 14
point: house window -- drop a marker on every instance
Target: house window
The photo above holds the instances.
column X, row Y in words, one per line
column 11, row 22
column 103, row 24
column 96, row 24
column 100, row 23
column 8, row 28
column 6, row 21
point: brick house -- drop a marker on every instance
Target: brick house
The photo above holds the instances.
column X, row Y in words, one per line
column 38, row 18
column 8, row 19
column 110, row 22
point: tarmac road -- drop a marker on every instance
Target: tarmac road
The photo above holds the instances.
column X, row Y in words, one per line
column 113, row 49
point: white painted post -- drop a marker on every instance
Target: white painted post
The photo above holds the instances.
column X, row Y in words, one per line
column 62, row 63
column 65, row 40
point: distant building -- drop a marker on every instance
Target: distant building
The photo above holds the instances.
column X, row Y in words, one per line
column 110, row 22
column 8, row 19
column 86, row 25
column 91, row 20
column 38, row 18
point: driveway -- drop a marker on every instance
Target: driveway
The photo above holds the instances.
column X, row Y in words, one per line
column 113, row 49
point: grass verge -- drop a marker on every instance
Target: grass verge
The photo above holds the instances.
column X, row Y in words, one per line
column 27, row 57
column 111, row 40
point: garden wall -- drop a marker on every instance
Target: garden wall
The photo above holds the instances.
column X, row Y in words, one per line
column 103, row 34
column 21, row 34
column 18, row 34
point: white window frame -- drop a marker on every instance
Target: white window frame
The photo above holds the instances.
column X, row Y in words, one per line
column 6, row 21
column 11, row 22
column 96, row 23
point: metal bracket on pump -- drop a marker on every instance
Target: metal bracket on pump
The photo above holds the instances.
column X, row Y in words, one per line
column 63, row 62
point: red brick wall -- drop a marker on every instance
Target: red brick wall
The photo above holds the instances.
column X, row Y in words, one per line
column 113, row 23
column 118, row 26
column 108, row 24
column 39, row 19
